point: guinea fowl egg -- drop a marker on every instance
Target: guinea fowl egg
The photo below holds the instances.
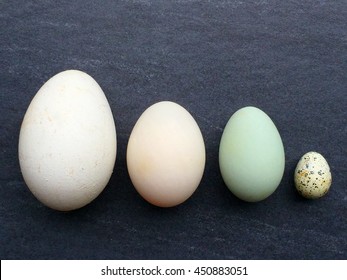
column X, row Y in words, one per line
column 166, row 154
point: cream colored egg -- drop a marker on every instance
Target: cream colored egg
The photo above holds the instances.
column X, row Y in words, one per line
column 166, row 154
column 67, row 142
column 312, row 176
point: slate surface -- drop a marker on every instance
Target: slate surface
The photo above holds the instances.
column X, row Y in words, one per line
column 288, row 58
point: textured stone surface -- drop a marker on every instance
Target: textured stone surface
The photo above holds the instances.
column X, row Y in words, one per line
column 289, row 58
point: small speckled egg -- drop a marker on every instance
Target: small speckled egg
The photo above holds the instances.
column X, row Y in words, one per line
column 166, row 154
column 312, row 176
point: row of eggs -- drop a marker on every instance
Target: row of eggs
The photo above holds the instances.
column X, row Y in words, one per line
column 67, row 150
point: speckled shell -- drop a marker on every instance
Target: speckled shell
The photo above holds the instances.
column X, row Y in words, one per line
column 312, row 176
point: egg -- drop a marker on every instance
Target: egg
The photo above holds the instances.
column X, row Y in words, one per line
column 312, row 176
column 166, row 154
column 67, row 141
column 251, row 155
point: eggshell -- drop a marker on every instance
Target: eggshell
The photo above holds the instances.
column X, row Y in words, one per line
column 166, row 154
column 251, row 155
column 312, row 176
column 67, row 142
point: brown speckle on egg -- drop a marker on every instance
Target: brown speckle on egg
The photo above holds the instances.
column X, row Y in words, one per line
column 312, row 180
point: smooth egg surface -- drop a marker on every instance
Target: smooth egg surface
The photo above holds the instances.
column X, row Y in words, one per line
column 67, row 142
column 166, row 154
column 251, row 155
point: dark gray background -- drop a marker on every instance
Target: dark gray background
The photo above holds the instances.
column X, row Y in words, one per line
column 288, row 58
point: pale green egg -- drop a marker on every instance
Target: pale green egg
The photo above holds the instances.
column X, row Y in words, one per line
column 251, row 155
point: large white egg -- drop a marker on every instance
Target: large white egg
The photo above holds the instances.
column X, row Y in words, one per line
column 67, row 142
column 166, row 154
